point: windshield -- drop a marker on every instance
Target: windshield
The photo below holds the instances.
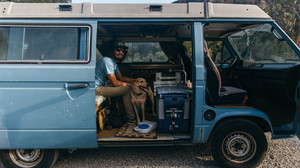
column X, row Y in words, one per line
column 260, row 45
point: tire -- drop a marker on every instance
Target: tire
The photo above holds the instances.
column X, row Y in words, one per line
column 238, row 143
column 29, row 158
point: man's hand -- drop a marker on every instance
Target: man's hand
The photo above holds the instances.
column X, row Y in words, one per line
column 124, row 78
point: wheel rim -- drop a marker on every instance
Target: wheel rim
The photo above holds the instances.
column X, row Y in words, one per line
column 26, row 157
column 239, row 147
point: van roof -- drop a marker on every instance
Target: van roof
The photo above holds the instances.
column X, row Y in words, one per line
column 94, row 10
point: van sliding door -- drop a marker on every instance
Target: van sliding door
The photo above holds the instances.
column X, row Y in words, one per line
column 46, row 87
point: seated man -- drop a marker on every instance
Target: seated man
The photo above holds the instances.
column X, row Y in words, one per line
column 111, row 83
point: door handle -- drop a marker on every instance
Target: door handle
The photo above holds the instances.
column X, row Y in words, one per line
column 76, row 86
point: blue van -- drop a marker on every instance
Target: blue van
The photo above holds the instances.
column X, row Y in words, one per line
column 231, row 75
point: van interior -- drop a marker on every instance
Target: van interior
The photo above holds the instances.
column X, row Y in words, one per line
column 257, row 66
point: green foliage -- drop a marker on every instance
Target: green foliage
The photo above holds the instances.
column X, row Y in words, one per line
column 285, row 12
column 188, row 46
column 145, row 52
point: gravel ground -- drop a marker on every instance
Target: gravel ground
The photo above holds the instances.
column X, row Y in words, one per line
column 284, row 153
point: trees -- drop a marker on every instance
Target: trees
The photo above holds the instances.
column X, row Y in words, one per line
column 285, row 12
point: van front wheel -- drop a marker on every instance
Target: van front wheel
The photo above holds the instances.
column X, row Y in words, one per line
column 238, row 143
column 29, row 158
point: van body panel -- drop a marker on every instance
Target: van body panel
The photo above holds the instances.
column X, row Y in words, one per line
column 37, row 107
column 230, row 112
column 178, row 10
column 199, row 82
column 47, row 139
column 235, row 11
column 48, row 105
column 13, row 73
column 94, row 10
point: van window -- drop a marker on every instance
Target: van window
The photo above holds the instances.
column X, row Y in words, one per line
column 145, row 52
column 219, row 52
column 188, row 46
column 259, row 44
column 43, row 44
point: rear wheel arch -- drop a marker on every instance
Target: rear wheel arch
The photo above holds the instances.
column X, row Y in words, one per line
column 261, row 122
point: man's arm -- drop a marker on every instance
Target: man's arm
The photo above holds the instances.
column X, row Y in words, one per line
column 124, row 78
column 115, row 82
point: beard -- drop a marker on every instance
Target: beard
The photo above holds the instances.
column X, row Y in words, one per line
column 118, row 58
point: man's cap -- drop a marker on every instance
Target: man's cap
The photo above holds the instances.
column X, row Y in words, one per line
column 121, row 44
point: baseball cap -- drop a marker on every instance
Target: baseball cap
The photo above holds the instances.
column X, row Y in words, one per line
column 121, row 44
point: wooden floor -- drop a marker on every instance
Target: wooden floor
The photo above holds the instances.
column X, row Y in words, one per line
column 110, row 135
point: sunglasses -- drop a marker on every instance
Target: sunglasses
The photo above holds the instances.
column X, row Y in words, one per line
column 120, row 49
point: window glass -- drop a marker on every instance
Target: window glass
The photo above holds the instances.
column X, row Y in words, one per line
column 259, row 44
column 4, row 34
column 219, row 52
column 188, row 46
column 41, row 43
column 144, row 52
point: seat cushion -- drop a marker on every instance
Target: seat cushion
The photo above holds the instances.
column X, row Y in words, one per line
column 231, row 95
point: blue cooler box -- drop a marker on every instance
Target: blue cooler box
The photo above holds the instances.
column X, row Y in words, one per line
column 172, row 107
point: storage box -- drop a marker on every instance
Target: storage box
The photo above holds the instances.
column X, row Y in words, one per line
column 173, row 106
column 163, row 80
